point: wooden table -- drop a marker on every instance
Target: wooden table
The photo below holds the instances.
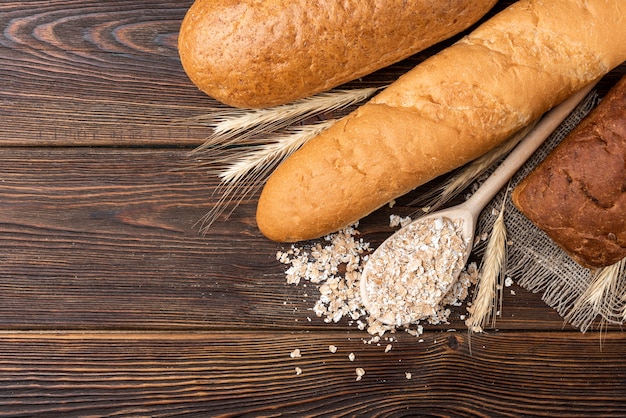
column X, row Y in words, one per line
column 113, row 304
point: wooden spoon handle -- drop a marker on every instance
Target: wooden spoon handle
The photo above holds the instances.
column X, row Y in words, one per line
column 524, row 150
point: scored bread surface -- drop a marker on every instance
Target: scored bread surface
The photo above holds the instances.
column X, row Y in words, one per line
column 251, row 53
column 450, row 109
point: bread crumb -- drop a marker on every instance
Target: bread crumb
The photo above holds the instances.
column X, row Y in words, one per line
column 351, row 356
column 408, row 376
column 298, row 371
column 388, row 348
column 295, row 353
column 359, row 373
column 332, row 349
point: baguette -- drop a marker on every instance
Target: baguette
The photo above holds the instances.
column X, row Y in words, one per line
column 259, row 53
column 450, row 109
column 577, row 195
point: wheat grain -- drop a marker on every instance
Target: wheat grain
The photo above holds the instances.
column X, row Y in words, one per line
column 238, row 126
column 488, row 296
column 243, row 158
column 244, row 170
column 602, row 297
column 269, row 155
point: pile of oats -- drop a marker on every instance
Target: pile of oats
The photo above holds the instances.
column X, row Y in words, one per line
column 414, row 271
column 335, row 266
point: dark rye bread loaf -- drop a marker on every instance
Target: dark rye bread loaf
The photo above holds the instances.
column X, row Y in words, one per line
column 577, row 195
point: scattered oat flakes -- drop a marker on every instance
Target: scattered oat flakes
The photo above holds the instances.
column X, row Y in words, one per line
column 395, row 220
column 334, row 266
column 359, row 373
column 295, row 353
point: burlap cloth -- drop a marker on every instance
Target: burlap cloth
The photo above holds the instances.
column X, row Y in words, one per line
column 539, row 265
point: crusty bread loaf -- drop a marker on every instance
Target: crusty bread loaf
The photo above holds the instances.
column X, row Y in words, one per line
column 448, row 110
column 259, row 53
column 577, row 195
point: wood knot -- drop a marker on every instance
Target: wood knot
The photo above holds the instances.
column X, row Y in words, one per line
column 453, row 342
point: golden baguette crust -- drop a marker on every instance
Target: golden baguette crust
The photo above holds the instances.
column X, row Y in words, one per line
column 577, row 195
column 259, row 53
column 450, row 109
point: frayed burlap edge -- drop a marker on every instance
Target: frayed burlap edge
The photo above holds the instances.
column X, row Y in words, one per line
column 536, row 262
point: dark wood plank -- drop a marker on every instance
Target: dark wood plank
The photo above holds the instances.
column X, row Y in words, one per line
column 104, row 238
column 244, row 374
column 107, row 73
column 113, row 304
column 95, row 73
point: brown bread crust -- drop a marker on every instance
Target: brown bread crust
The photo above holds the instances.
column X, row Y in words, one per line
column 577, row 195
column 448, row 110
column 251, row 53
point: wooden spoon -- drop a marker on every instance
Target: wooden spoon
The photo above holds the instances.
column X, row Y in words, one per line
column 410, row 272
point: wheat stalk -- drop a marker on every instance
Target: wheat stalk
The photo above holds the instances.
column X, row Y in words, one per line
column 236, row 126
column 239, row 152
column 268, row 155
column 600, row 297
column 455, row 184
column 242, row 171
column 488, row 297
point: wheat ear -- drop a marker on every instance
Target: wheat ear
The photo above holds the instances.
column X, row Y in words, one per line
column 242, row 155
column 244, row 170
column 602, row 297
column 488, row 296
column 242, row 125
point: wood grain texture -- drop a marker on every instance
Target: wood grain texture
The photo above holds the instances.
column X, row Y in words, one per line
column 95, row 73
column 109, row 238
column 245, row 374
column 113, row 304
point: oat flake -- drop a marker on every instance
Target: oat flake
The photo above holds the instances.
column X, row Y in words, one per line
column 414, row 271
column 334, row 265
